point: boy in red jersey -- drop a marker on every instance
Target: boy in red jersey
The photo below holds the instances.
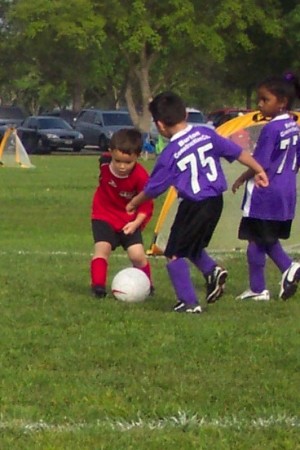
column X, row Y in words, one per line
column 120, row 180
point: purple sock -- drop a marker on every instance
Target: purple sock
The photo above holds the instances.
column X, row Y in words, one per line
column 256, row 255
column 204, row 263
column 179, row 273
column 279, row 256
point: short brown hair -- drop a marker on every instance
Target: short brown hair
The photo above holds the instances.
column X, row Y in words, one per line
column 127, row 140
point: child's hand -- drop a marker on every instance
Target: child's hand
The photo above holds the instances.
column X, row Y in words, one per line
column 130, row 208
column 237, row 184
column 261, row 179
column 129, row 228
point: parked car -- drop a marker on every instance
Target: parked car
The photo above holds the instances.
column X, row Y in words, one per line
column 194, row 117
column 97, row 126
column 10, row 116
column 67, row 114
column 220, row 116
column 43, row 134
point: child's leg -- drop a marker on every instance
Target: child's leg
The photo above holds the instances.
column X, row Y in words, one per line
column 179, row 273
column 204, row 263
column 256, row 256
column 279, row 256
column 138, row 258
column 215, row 275
column 99, row 265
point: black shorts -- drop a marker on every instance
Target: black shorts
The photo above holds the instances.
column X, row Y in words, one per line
column 264, row 231
column 103, row 232
column 193, row 227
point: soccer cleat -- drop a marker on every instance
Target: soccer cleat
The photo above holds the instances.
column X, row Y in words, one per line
column 182, row 307
column 215, row 283
column 257, row 296
column 99, row 291
column 289, row 281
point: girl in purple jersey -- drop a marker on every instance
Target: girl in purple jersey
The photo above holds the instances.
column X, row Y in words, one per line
column 268, row 213
column 191, row 163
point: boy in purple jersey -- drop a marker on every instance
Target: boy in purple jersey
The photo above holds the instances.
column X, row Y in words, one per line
column 268, row 213
column 191, row 163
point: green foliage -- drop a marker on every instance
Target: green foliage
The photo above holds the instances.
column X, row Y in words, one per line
column 133, row 49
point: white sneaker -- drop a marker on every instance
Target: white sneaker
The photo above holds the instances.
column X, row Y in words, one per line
column 289, row 281
column 257, row 296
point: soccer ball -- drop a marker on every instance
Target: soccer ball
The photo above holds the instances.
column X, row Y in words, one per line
column 130, row 285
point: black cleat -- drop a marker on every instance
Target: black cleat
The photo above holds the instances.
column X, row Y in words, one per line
column 182, row 307
column 289, row 281
column 99, row 291
column 215, row 284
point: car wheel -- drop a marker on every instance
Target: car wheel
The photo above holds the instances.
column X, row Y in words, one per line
column 77, row 148
column 42, row 148
column 103, row 143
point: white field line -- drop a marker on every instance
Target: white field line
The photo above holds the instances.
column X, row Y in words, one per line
column 220, row 253
column 118, row 255
column 182, row 419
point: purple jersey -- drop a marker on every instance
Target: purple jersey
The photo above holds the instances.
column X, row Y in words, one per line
column 191, row 163
column 278, row 151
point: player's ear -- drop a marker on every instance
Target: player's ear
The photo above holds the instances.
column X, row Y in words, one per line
column 160, row 126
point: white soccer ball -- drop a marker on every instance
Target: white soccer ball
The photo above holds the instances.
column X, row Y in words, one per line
column 130, row 285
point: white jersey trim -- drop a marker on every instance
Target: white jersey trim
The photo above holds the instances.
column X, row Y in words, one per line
column 249, row 192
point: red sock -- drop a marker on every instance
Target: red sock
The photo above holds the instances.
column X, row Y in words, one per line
column 147, row 270
column 98, row 272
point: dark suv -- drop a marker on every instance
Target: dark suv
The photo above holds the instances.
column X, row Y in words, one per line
column 97, row 125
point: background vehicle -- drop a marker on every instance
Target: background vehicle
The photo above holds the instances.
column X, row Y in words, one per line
column 65, row 114
column 218, row 117
column 97, row 126
column 42, row 134
column 10, row 116
column 194, row 117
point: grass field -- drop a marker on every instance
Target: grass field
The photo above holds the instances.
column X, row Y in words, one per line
column 79, row 373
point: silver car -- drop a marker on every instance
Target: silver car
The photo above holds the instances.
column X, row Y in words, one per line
column 98, row 126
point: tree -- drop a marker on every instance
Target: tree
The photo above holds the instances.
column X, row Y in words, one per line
column 62, row 40
column 165, row 44
column 87, row 51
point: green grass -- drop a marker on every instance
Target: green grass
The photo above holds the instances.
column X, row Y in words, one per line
column 77, row 373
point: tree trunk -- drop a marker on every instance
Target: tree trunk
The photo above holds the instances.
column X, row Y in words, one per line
column 77, row 99
column 140, row 72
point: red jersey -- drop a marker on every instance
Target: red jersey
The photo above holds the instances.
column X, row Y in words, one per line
column 113, row 194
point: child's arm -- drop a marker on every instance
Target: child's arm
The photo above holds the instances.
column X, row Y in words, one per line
column 255, row 170
column 136, row 201
column 130, row 227
column 245, row 176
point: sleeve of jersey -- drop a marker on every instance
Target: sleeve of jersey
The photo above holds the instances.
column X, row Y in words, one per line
column 160, row 179
column 227, row 148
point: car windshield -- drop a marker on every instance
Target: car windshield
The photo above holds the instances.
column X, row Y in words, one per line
column 53, row 122
column 195, row 117
column 113, row 119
